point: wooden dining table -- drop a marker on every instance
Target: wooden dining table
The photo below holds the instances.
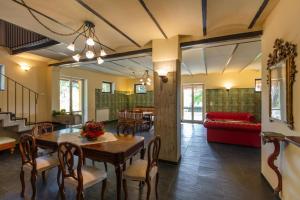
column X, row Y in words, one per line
column 115, row 152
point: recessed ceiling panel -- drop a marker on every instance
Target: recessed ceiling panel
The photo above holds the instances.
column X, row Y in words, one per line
column 217, row 57
column 228, row 16
column 244, row 55
column 193, row 61
column 177, row 17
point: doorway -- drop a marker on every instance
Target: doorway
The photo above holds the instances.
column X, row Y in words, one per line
column 71, row 95
column 192, row 101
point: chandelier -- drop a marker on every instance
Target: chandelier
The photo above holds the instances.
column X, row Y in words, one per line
column 145, row 79
column 88, row 30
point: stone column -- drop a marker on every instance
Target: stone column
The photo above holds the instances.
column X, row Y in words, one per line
column 166, row 58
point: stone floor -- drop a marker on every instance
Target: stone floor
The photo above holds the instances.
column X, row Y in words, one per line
column 206, row 171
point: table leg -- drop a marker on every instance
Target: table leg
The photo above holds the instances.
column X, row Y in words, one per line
column 272, row 165
column 118, row 170
column 143, row 151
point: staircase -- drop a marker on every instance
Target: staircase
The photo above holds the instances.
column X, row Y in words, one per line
column 17, row 105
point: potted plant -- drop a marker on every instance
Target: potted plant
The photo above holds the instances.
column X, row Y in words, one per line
column 92, row 130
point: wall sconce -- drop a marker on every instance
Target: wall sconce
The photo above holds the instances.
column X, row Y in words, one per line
column 25, row 66
column 163, row 75
column 228, row 86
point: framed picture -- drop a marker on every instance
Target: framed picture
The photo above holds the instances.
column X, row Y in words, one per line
column 258, row 85
column 140, row 89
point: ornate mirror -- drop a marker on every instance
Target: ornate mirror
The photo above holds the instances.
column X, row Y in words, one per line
column 281, row 77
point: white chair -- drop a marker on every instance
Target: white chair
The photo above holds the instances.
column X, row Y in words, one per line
column 32, row 163
column 73, row 173
column 144, row 170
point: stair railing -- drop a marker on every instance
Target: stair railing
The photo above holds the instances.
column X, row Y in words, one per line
column 12, row 92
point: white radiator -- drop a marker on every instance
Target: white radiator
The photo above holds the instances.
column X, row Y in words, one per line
column 102, row 115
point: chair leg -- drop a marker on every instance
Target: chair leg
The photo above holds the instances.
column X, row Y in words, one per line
column 33, row 184
column 22, row 182
column 103, row 188
column 156, row 185
column 125, row 189
column 105, row 166
column 44, row 176
column 93, row 162
column 79, row 195
column 148, row 188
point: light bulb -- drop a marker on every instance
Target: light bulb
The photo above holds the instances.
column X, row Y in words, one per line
column 71, row 47
column 148, row 79
column 89, row 54
column 102, row 53
column 76, row 57
column 100, row 60
column 141, row 80
column 148, row 83
column 90, row 41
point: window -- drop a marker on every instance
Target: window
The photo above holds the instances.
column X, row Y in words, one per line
column 2, row 77
column 140, row 89
column 106, row 87
column 71, row 98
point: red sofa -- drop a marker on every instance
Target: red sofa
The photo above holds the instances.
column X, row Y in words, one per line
column 233, row 128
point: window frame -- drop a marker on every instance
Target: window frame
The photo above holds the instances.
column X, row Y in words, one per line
column 135, row 90
column 110, row 86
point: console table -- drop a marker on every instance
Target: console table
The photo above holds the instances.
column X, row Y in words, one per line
column 276, row 138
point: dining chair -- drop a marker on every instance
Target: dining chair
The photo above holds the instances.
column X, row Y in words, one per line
column 32, row 163
column 144, row 170
column 40, row 129
column 72, row 171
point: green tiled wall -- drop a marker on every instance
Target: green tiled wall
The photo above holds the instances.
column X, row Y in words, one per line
column 135, row 100
column 235, row 100
column 120, row 100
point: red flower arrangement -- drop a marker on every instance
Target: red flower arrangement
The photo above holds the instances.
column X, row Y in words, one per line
column 92, row 130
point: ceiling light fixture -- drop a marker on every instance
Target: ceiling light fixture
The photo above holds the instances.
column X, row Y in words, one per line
column 145, row 79
column 88, row 30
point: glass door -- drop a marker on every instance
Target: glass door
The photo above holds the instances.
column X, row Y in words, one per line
column 192, row 97
column 71, row 95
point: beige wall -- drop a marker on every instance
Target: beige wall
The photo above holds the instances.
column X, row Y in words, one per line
column 245, row 79
column 93, row 81
column 282, row 23
column 33, row 79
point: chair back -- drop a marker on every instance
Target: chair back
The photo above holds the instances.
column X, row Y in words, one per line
column 42, row 128
column 68, row 162
column 28, row 150
column 138, row 116
column 153, row 153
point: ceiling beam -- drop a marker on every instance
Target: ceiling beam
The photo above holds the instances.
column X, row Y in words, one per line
column 56, row 21
column 255, row 59
column 224, row 38
column 204, row 17
column 34, row 46
column 110, row 56
column 258, row 13
column 153, row 18
column 230, row 57
column 107, row 22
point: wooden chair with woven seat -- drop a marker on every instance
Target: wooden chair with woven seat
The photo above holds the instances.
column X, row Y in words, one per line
column 145, row 170
column 40, row 129
column 74, row 173
column 125, row 121
column 32, row 163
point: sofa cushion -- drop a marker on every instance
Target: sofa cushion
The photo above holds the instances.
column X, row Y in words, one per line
column 239, row 125
column 241, row 116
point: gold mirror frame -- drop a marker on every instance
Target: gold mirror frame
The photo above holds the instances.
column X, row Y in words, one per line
column 284, row 51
